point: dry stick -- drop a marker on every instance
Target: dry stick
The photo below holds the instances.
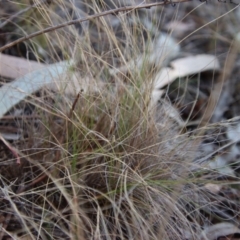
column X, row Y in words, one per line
column 19, row 117
column 21, row 12
column 28, row 186
column 79, row 20
column 69, row 116
column 11, row 148
column 74, row 105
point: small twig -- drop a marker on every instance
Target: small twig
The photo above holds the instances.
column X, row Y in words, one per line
column 80, row 20
column 74, row 105
column 21, row 12
column 69, row 116
column 12, row 149
column 28, row 186
column 12, row 117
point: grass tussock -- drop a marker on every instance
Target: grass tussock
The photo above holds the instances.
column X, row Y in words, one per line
column 105, row 163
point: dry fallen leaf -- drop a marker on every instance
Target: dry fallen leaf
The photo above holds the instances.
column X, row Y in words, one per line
column 15, row 67
column 158, row 52
column 219, row 230
column 72, row 83
column 213, row 188
column 12, row 93
column 180, row 68
column 179, row 28
column 56, row 77
column 186, row 66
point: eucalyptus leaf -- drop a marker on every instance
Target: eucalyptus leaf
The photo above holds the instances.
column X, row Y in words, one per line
column 12, row 93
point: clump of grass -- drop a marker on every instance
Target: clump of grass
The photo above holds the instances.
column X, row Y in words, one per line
column 97, row 171
column 102, row 164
